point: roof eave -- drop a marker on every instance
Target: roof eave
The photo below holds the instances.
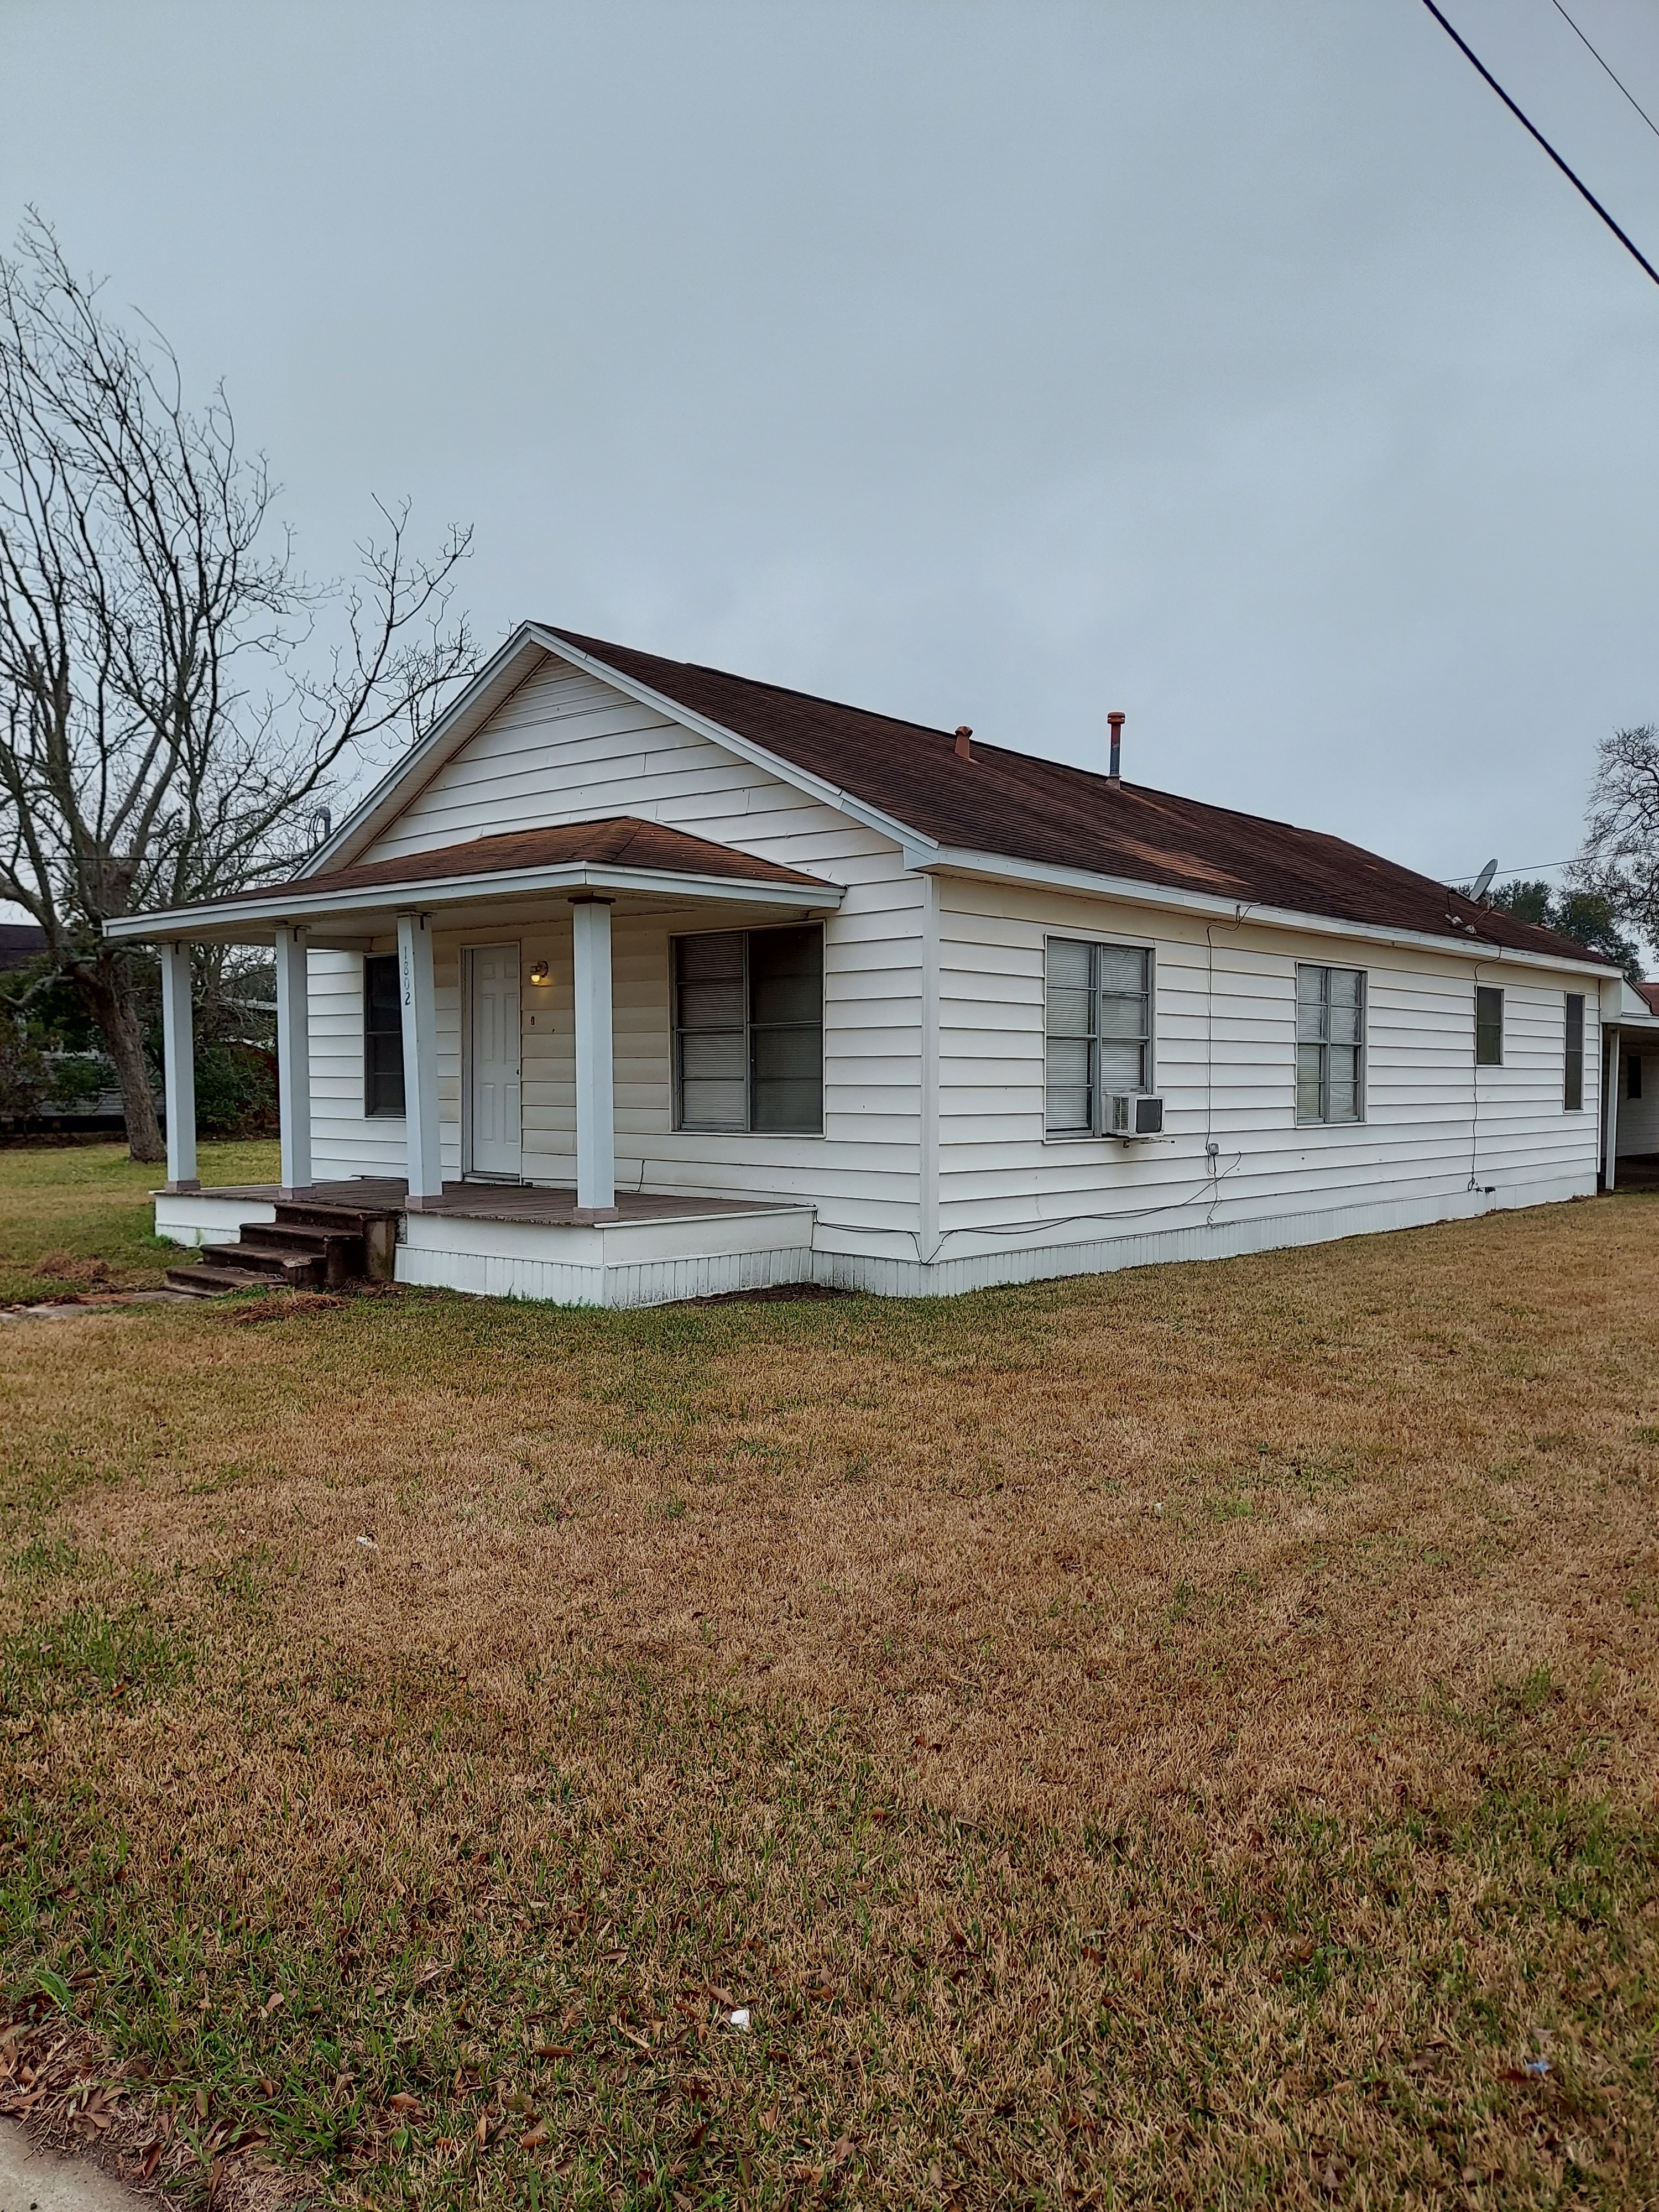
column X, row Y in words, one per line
column 998, row 868
column 294, row 906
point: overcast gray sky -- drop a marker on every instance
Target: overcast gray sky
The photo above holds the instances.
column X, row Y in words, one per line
column 1240, row 363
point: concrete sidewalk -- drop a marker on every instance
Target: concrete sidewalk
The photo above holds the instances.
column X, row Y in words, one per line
column 39, row 2181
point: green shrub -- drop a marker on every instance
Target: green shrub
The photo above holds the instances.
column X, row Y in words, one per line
column 235, row 1091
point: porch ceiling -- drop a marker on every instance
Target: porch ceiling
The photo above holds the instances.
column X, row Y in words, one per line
column 641, row 865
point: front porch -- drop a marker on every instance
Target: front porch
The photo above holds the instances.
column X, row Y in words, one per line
column 502, row 1241
column 518, row 1007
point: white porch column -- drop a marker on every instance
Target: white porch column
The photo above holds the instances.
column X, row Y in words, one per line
column 294, row 1057
column 596, row 1118
column 179, row 1068
column 426, row 1161
column 1610, row 1107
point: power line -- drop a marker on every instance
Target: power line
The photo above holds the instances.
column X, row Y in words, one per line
column 1623, row 87
column 1527, row 868
column 1572, row 175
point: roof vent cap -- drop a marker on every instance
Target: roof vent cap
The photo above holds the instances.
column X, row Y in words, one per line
column 1115, row 722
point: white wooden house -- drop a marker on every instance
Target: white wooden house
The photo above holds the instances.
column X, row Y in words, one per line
column 637, row 980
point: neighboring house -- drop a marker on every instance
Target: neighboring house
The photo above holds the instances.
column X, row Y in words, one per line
column 20, row 943
column 636, row 981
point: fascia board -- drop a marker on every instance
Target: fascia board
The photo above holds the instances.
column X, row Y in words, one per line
column 757, row 756
column 493, row 684
column 996, row 867
column 468, row 890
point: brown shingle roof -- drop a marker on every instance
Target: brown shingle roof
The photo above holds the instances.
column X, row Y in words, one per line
column 1029, row 808
column 621, row 842
column 1650, row 992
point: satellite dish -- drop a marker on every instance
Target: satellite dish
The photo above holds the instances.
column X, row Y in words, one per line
column 1483, row 881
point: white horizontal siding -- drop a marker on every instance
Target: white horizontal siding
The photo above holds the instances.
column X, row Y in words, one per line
column 1224, row 1030
column 861, row 1171
column 344, row 1140
column 567, row 748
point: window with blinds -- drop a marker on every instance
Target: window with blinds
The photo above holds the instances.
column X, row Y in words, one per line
column 1099, row 1025
column 1330, row 1044
column 749, row 1031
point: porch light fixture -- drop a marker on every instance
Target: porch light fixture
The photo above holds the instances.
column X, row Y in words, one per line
column 541, row 973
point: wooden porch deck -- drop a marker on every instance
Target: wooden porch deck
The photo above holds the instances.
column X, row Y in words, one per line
column 487, row 1201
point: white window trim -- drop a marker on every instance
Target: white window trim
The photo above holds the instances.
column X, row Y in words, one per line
column 678, row 1127
column 1128, row 944
column 1584, row 1002
column 1334, row 967
column 1502, row 1025
column 396, row 1121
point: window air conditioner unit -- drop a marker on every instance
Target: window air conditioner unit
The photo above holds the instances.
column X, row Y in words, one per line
column 1134, row 1114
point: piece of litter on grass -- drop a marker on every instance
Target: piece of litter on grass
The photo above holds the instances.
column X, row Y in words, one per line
column 740, row 2020
column 1537, row 2066
column 368, row 1543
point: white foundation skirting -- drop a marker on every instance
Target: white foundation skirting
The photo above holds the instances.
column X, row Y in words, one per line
column 1012, row 1261
column 646, row 1263
column 198, row 1216
column 617, row 1263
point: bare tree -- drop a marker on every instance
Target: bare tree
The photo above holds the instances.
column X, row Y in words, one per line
column 168, row 704
column 1620, row 861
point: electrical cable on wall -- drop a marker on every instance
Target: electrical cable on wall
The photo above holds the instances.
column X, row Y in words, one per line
column 1212, row 1150
column 1474, row 1080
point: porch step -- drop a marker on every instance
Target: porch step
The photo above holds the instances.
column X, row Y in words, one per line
column 252, row 1255
column 311, row 1244
column 200, row 1282
column 338, row 1252
column 358, row 1241
column 327, row 1213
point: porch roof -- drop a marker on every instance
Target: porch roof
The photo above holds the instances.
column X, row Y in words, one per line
column 621, row 855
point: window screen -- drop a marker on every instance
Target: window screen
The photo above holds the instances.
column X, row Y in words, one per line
column 1488, row 1026
column 749, row 1030
column 1099, row 1031
column 1572, row 1099
column 1330, row 1044
column 383, row 1035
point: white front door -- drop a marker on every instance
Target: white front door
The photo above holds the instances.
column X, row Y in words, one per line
column 497, row 1143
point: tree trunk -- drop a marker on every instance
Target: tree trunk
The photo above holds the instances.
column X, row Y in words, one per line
column 111, row 1008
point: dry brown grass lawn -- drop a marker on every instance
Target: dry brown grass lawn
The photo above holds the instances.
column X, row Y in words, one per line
column 1184, row 1737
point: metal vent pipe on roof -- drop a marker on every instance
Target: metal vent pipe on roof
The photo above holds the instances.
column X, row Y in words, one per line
column 1115, row 722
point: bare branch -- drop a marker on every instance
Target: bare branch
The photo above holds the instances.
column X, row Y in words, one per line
column 1620, row 861
column 164, row 721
